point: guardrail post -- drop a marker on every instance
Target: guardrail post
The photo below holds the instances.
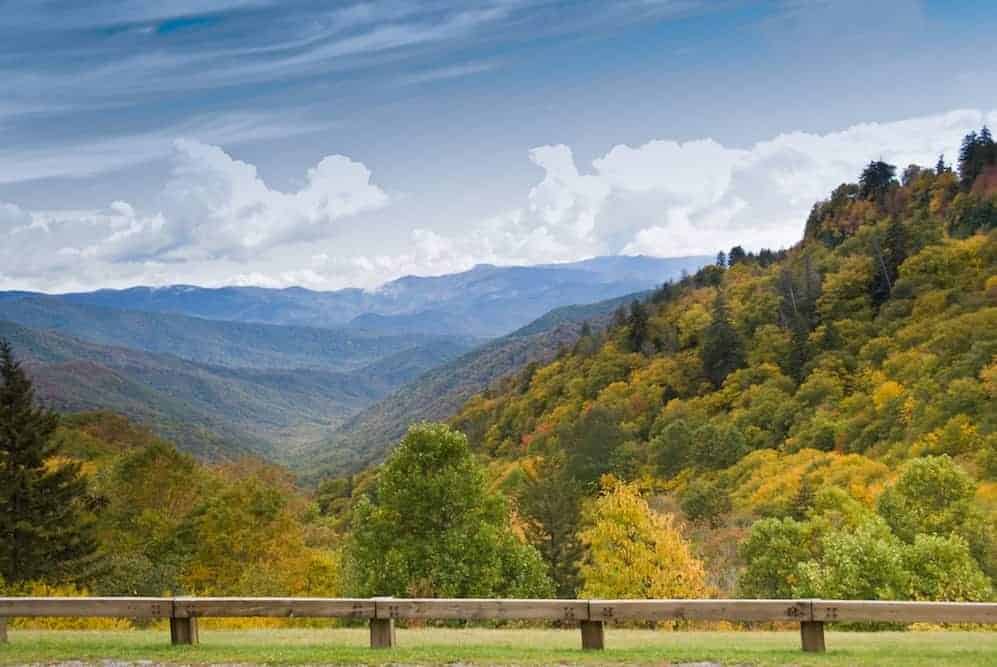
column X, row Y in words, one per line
column 593, row 635
column 3, row 630
column 382, row 629
column 812, row 636
column 183, row 630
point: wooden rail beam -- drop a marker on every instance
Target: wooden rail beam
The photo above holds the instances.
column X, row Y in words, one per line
column 472, row 609
column 591, row 615
column 905, row 612
column 710, row 610
column 273, row 607
column 87, row 607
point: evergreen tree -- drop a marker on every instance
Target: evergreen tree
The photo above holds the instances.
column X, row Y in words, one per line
column 722, row 351
column 550, row 501
column 722, row 259
column 889, row 255
column 44, row 531
column 986, row 139
column 940, row 166
column 969, row 160
column 637, row 325
column 736, row 255
column 876, row 179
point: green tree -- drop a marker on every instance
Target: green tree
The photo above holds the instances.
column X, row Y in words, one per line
column 876, row 179
column 942, row 568
column 589, row 442
column 722, row 351
column 550, row 502
column 934, row 496
column 707, row 501
column 889, row 255
column 772, row 551
column 46, row 531
column 859, row 564
column 434, row 529
column 637, row 326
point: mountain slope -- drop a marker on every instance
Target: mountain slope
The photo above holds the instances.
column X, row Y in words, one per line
column 486, row 301
column 236, row 344
column 839, row 397
column 439, row 393
column 210, row 410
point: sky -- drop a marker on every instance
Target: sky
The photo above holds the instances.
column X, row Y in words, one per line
column 334, row 144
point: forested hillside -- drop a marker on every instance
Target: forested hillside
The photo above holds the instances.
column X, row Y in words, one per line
column 439, row 393
column 831, row 408
column 216, row 412
column 154, row 521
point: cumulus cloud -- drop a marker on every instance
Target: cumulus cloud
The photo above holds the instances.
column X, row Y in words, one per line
column 214, row 207
column 218, row 222
column 218, row 206
column 668, row 198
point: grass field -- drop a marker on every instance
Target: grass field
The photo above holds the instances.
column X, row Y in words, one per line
column 436, row 646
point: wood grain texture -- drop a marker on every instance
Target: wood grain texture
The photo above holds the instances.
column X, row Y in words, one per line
column 382, row 633
column 87, row 607
column 183, row 631
column 812, row 636
column 730, row 610
column 593, row 635
column 474, row 609
column 905, row 612
column 274, row 607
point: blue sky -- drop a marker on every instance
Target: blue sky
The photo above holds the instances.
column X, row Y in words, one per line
column 331, row 144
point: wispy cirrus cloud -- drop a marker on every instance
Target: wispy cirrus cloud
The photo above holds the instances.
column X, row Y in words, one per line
column 449, row 72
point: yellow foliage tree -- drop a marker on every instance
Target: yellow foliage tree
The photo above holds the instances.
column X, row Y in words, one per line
column 634, row 552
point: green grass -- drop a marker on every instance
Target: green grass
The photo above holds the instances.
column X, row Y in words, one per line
column 503, row 647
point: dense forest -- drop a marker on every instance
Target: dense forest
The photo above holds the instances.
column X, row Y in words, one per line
column 818, row 421
column 821, row 420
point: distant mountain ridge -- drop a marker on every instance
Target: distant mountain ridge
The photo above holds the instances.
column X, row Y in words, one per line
column 276, row 372
column 485, row 301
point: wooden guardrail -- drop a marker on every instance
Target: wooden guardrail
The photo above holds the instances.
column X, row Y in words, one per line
column 590, row 615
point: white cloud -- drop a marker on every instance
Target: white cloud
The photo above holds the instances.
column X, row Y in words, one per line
column 213, row 208
column 220, row 207
column 218, row 222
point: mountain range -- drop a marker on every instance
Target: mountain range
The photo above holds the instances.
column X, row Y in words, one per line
column 319, row 380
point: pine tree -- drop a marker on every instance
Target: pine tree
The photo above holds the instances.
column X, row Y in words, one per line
column 44, row 531
column 736, row 255
column 940, row 166
column 876, row 179
column 722, row 259
column 889, row 255
column 968, row 160
column 637, row 325
column 722, row 351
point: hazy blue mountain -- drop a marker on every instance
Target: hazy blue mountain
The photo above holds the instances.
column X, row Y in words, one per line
column 275, row 372
column 485, row 301
column 210, row 410
column 236, row 344
column 440, row 392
